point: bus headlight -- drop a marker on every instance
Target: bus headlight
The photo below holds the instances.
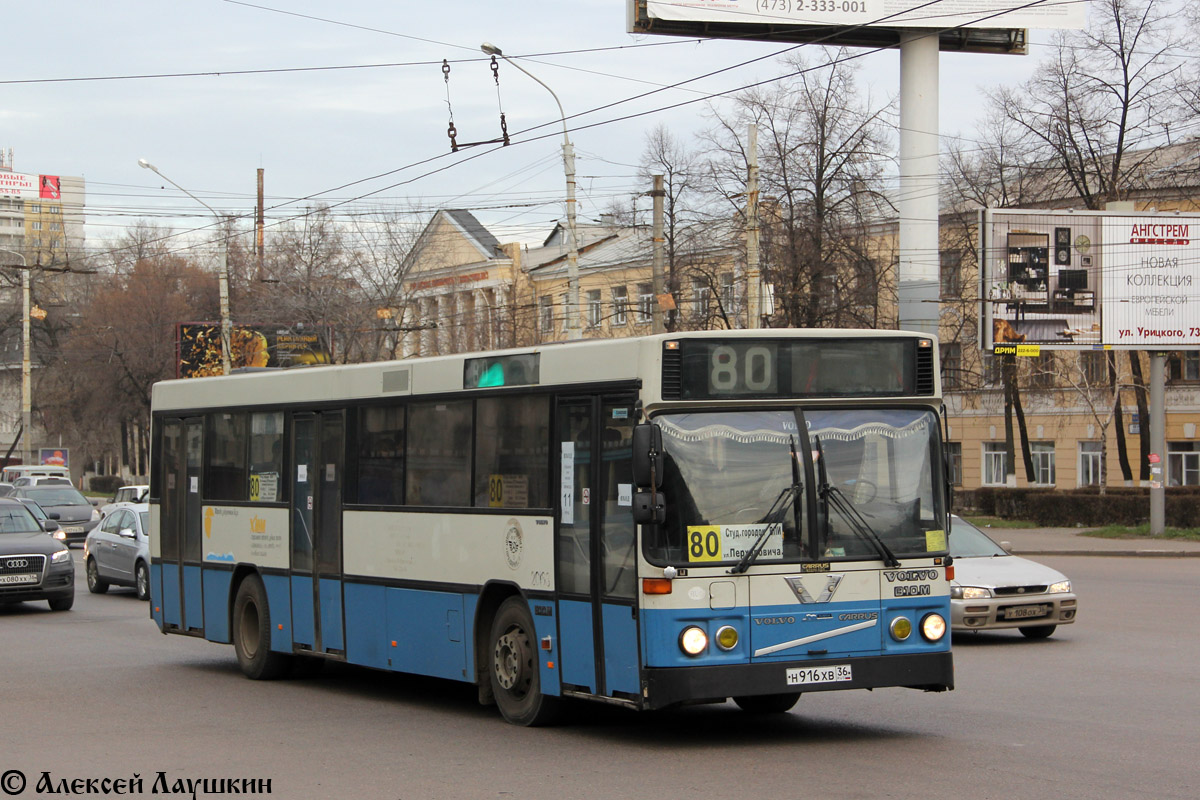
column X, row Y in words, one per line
column 901, row 628
column 727, row 638
column 933, row 627
column 693, row 640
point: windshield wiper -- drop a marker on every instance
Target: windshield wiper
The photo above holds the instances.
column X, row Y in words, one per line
column 833, row 498
column 790, row 495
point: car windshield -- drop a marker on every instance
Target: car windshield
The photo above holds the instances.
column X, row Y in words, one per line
column 727, row 476
column 967, row 541
column 17, row 519
column 56, row 496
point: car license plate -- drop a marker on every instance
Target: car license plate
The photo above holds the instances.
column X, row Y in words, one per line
column 23, row 577
column 1025, row 612
column 73, row 529
column 803, row 676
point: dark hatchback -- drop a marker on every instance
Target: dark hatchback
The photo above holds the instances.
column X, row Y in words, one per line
column 76, row 516
column 33, row 565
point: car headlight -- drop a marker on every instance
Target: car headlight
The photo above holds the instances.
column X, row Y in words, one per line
column 970, row 593
column 933, row 627
column 95, row 514
column 60, row 556
column 693, row 640
column 1060, row 587
column 60, row 534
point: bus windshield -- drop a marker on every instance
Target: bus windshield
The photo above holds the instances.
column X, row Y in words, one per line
column 727, row 479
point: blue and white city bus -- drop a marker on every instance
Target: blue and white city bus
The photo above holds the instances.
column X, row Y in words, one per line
column 648, row 522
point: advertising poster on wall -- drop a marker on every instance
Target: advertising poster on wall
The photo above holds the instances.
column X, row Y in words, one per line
column 199, row 347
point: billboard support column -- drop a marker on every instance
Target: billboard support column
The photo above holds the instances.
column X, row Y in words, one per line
column 1158, row 443
column 917, row 281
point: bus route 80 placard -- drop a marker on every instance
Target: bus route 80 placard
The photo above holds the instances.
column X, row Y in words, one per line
column 730, row 542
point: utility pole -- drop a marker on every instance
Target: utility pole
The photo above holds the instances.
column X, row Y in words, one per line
column 259, row 219
column 753, row 273
column 657, row 312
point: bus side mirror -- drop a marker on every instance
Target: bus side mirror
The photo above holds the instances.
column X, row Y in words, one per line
column 649, row 508
column 647, row 455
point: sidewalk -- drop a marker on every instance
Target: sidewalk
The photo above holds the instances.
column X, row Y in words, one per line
column 1069, row 542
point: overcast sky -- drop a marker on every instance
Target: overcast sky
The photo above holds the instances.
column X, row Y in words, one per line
column 331, row 125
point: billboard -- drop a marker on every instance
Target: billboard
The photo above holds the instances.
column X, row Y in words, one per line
column 30, row 187
column 1089, row 280
column 54, row 457
column 874, row 13
column 198, row 345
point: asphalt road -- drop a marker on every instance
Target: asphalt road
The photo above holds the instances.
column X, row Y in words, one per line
column 1104, row 709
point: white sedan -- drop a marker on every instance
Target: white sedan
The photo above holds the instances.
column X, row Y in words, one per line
column 993, row 589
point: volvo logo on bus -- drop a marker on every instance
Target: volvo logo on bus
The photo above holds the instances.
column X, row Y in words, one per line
column 823, row 585
column 775, row 621
column 912, row 575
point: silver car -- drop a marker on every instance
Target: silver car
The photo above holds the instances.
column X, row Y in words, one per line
column 993, row 589
column 117, row 551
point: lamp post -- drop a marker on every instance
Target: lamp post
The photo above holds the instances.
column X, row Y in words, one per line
column 573, row 331
column 222, row 276
column 26, row 389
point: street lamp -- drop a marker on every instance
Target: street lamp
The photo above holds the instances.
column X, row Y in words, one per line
column 573, row 331
column 26, row 390
column 222, row 276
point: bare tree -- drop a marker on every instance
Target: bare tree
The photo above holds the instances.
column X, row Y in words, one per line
column 822, row 160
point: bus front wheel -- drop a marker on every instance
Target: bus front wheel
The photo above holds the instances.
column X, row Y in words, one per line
column 252, row 632
column 767, row 703
column 514, row 674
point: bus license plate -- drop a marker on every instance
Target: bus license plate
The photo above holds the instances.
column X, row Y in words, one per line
column 24, row 577
column 803, row 676
column 1025, row 612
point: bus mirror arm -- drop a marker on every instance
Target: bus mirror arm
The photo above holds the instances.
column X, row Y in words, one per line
column 647, row 455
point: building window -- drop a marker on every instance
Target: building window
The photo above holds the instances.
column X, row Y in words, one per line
column 594, row 310
column 954, row 461
column 1183, row 463
column 1089, row 463
column 35, row 208
column 729, row 299
column 546, row 314
column 951, row 271
column 567, row 311
column 701, row 292
column 37, row 226
column 951, row 365
column 1043, row 463
column 1093, row 365
column 993, row 369
column 1041, row 371
column 620, row 300
column 645, row 303
column 1184, row 366
column 995, row 464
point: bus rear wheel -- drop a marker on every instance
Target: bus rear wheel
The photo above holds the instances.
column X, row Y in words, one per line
column 252, row 633
column 767, row 703
column 514, row 675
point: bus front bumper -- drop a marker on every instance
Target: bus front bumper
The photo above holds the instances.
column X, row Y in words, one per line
column 668, row 686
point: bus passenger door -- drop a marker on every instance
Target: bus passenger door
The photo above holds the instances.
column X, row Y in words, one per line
column 316, row 531
column 596, row 556
column 167, row 593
